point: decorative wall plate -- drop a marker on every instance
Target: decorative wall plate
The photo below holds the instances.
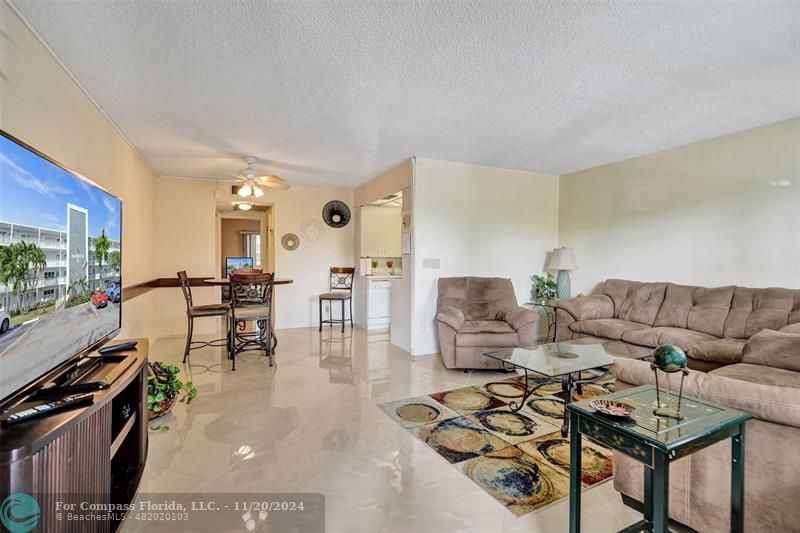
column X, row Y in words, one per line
column 312, row 229
column 336, row 214
column 290, row 242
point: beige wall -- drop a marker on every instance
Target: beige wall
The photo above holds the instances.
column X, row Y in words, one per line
column 231, row 238
column 42, row 106
column 477, row 221
column 309, row 264
column 186, row 238
column 704, row 213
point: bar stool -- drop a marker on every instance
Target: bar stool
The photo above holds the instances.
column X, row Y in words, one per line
column 200, row 311
column 340, row 285
column 251, row 301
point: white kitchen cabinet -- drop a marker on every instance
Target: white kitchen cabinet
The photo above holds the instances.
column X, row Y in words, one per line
column 373, row 303
column 380, row 231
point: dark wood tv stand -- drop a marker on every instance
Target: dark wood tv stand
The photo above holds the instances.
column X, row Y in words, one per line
column 95, row 453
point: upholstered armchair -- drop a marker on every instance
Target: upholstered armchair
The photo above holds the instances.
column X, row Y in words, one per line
column 476, row 315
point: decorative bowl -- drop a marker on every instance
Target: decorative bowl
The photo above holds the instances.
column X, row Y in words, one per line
column 612, row 407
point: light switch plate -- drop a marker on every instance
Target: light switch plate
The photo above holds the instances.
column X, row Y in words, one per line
column 430, row 262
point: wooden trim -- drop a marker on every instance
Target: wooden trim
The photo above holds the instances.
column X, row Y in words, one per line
column 134, row 291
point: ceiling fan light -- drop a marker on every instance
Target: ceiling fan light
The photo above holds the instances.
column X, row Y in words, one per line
column 245, row 207
column 245, row 190
column 257, row 192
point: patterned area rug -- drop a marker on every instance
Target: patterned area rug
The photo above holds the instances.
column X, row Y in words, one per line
column 518, row 458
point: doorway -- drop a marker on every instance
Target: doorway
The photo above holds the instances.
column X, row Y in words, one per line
column 245, row 235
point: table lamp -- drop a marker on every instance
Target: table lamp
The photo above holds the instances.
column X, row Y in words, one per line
column 669, row 359
column 562, row 260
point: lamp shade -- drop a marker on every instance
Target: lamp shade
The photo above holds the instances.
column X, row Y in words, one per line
column 562, row 259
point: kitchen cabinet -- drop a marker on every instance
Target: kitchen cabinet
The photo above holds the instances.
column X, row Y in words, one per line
column 373, row 303
column 379, row 300
column 380, row 231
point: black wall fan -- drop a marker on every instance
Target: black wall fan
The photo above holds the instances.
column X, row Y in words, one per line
column 336, row 214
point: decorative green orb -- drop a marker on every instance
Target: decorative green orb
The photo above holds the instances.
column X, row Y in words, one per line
column 669, row 358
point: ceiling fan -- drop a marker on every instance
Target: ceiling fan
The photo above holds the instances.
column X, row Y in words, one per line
column 252, row 181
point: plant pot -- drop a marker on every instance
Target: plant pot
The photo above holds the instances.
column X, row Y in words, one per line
column 166, row 407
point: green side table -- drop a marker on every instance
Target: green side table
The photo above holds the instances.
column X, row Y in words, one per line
column 656, row 442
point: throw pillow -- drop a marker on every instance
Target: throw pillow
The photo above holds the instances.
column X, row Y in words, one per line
column 773, row 348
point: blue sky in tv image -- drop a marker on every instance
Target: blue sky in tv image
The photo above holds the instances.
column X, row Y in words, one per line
column 35, row 192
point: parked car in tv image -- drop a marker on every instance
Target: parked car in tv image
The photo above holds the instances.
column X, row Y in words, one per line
column 5, row 321
column 100, row 299
column 113, row 291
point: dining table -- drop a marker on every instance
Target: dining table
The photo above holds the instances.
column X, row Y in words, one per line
column 224, row 282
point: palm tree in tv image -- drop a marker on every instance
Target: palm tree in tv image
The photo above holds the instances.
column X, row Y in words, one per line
column 20, row 265
column 36, row 262
column 9, row 272
column 115, row 261
column 101, row 247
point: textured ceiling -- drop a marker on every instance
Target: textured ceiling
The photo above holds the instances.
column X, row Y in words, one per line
column 334, row 93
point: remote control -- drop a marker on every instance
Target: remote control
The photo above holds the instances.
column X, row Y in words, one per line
column 68, row 402
column 118, row 347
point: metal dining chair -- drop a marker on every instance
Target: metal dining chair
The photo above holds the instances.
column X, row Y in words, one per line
column 251, row 301
column 340, row 285
column 200, row 311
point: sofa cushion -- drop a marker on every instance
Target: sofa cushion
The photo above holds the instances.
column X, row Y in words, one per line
column 499, row 340
column 755, row 309
column 763, row 375
column 643, row 303
column 791, row 328
column 674, row 312
column 726, row 351
column 478, row 298
column 617, row 290
column 771, row 310
column 588, row 307
column 486, row 326
column 710, row 309
column 518, row 317
column 607, row 328
column 696, row 308
column 776, row 349
column 759, row 397
column 683, row 338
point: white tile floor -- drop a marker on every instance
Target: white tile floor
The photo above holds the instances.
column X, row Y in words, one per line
column 310, row 424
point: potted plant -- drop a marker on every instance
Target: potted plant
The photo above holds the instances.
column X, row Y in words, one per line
column 164, row 389
column 544, row 288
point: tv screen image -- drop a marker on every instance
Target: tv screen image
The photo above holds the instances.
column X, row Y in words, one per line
column 60, row 265
column 237, row 263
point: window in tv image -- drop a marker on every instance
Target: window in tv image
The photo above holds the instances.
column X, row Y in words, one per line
column 60, row 265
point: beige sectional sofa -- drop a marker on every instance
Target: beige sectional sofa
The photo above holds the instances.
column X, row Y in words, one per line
column 747, row 343
column 710, row 324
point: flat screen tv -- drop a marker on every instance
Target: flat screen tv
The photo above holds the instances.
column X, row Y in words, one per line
column 237, row 263
column 60, row 265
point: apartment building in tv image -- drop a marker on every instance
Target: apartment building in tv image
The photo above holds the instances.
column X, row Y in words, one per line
column 70, row 262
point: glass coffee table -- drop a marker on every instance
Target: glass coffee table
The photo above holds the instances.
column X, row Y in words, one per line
column 565, row 362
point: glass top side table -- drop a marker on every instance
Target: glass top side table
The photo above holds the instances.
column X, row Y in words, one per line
column 548, row 307
column 656, row 442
